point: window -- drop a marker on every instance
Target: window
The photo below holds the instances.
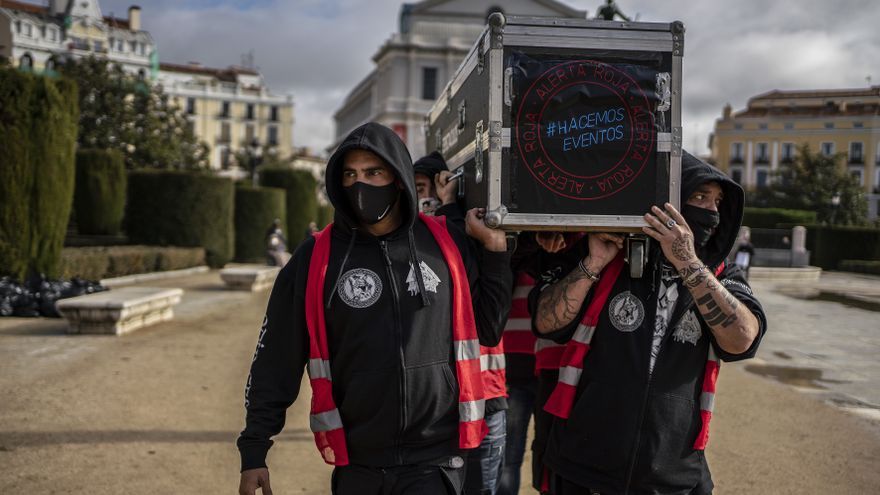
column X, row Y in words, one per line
column 141, row 48
column 858, row 125
column 273, row 135
column 225, row 157
column 762, row 177
column 98, row 46
column 738, row 127
column 28, row 30
column 762, row 154
column 789, row 126
column 18, row 27
column 736, row 174
column 248, row 134
column 250, row 113
column 191, row 106
column 26, row 62
column 225, row 136
column 429, row 83
column 827, row 149
column 736, row 153
column 132, row 46
column 787, row 152
column 120, row 45
column 858, row 173
column 856, row 154
column 829, row 125
column 43, row 31
column 273, row 113
column 224, row 109
column 762, row 127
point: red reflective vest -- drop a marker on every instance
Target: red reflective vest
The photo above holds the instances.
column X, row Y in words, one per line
column 325, row 420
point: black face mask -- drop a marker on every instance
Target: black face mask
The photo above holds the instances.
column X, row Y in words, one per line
column 702, row 222
column 371, row 203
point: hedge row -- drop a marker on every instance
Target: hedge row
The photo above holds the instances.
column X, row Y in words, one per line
column 99, row 198
column 302, row 200
column 828, row 245
column 771, row 218
column 38, row 126
column 861, row 266
column 255, row 210
column 325, row 215
column 171, row 208
column 96, row 263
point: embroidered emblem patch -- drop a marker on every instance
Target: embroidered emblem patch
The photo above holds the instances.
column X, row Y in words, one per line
column 688, row 329
column 626, row 312
column 428, row 276
column 359, row 288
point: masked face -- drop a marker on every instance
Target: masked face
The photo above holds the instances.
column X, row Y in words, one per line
column 371, row 203
column 702, row 222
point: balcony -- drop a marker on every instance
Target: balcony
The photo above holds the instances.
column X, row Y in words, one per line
column 736, row 160
column 223, row 139
column 856, row 160
column 762, row 160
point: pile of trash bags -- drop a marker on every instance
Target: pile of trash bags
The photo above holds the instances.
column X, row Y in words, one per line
column 37, row 296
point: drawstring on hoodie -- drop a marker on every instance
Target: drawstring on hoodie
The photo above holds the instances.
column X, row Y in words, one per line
column 342, row 266
column 417, row 269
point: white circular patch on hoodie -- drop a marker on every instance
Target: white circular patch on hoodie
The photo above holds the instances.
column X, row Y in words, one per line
column 359, row 288
column 626, row 312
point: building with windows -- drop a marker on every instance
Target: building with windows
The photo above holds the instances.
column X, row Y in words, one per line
column 230, row 109
column 413, row 66
column 36, row 37
column 750, row 144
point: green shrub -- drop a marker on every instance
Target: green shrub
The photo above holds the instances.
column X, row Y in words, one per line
column 170, row 208
column 861, row 266
column 828, row 245
column 100, row 191
column 96, row 263
column 37, row 141
column 302, row 199
column 255, row 210
column 771, row 218
column 325, row 215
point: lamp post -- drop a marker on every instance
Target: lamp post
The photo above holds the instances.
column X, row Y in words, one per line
column 254, row 159
column 835, row 203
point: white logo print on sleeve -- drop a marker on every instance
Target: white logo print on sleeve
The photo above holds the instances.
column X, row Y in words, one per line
column 428, row 276
column 359, row 288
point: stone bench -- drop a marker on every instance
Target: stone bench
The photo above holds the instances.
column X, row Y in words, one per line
column 120, row 310
column 249, row 277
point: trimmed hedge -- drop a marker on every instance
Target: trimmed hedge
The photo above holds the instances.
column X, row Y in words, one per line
column 861, row 266
column 302, row 199
column 100, row 191
column 828, row 245
column 255, row 210
column 325, row 215
column 96, row 263
column 771, row 218
column 173, row 208
column 38, row 126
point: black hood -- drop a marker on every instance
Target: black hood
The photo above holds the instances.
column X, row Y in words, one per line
column 430, row 165
column 695, row 172
column 385, row 143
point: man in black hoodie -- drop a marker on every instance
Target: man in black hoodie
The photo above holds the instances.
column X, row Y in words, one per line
column 401, row 406
column 637, row 381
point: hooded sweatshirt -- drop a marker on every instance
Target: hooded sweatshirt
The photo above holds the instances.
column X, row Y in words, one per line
column 632, row 429
column 391, row 352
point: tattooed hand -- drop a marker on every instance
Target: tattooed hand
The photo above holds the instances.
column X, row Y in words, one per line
column 672, row 232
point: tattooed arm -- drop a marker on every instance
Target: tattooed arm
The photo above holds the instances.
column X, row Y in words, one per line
column 560, row 303
column 732, row 323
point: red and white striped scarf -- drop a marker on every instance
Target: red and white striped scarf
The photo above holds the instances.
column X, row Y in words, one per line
column 518, row 337
column 325, row 420
column 561, row 400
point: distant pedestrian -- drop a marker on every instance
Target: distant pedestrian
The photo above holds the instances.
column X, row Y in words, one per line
column 310, row 230
column 276, row 245
column 745, row 252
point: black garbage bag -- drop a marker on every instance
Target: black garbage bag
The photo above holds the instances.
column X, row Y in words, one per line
column 38, row 295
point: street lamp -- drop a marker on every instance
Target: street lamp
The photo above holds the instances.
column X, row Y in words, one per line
column 254, row 158
column 835, row 203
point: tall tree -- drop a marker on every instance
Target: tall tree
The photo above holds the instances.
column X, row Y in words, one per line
column 120, row 112
column 820, row 183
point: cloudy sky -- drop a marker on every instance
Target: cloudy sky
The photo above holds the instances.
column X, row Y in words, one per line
column 317, row 50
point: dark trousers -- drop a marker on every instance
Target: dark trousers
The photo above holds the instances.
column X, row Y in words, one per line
column 560, row 486
column 520, row 407
column 398, row 480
